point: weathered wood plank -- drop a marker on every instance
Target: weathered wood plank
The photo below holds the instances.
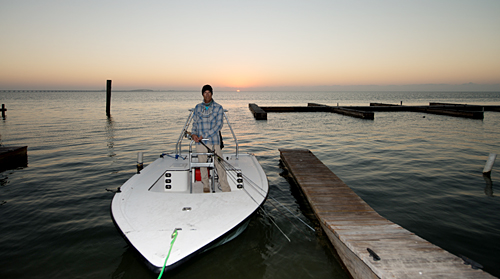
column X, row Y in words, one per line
column 353, row 227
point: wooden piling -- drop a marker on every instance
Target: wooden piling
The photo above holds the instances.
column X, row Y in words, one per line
column 108, row 98
column 489, row 164
column 13, row 157
column 3, row 110
column 369, row 245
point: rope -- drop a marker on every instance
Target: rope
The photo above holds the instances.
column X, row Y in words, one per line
column 227, row 167
column 174, row 237
column 272, row 221
column 297, row 217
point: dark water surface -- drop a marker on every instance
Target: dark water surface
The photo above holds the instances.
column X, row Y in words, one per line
column 423, row 173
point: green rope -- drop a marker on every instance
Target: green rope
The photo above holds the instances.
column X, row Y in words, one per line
column 174, row 237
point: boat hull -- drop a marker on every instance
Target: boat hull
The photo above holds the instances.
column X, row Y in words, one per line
column 166, row 196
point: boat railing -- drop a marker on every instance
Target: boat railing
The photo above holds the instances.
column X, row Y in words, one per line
column 184, row 133
column 178, row 146
column 232, row 132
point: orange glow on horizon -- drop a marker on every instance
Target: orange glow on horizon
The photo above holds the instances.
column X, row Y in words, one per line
column 313, row 49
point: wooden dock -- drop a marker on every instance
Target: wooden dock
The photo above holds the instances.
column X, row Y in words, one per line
column 258, row 112
column 367, row 112
column 457, row 110
column 349, row 111
column 13, row 157
column 369, row 245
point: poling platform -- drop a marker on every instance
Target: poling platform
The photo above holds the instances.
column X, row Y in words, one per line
column 369, row 245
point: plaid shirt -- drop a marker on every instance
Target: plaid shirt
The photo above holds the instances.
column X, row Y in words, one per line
column 207, row 122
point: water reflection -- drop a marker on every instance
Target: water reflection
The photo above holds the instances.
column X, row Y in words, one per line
column 4, row 180
column 110, row 136
column 131, row 267
column 488, row 190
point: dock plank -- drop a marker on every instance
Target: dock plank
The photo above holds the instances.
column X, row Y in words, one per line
column 353, row 226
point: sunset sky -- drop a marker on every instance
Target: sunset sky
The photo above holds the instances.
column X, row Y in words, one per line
column 162, row 45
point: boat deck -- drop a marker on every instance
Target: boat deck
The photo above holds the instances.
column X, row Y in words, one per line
column 369, row 245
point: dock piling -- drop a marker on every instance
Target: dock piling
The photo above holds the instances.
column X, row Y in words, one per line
column 140, row 164
column 489, row 163
column 108, row 98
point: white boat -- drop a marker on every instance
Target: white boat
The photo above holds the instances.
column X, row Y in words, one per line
column 167, row 196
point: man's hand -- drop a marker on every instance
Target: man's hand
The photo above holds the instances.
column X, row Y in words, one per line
column 196, row 138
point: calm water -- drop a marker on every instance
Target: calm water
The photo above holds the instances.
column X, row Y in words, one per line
column 423, row 173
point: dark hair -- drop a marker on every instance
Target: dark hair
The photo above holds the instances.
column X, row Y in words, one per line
column 207, row 87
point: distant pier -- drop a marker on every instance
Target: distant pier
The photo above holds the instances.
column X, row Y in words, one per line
column 367, row 112
column 369, row 245
column 258, row 112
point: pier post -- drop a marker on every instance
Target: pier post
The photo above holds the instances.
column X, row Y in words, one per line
column 108, row 98
column 140, row 164
column 489, row 164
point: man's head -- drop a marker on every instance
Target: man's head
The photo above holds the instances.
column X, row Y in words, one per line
column 207, row 93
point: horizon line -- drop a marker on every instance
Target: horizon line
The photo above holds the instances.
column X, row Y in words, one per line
column 313, row 88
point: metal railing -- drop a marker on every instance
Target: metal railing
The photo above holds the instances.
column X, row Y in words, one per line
column 178, row 146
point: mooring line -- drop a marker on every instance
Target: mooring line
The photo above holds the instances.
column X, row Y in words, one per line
column 272, row 221
column 303, row 222
column 174, row 237
column 227, row 167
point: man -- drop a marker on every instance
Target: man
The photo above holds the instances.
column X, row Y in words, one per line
column 207, row 122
